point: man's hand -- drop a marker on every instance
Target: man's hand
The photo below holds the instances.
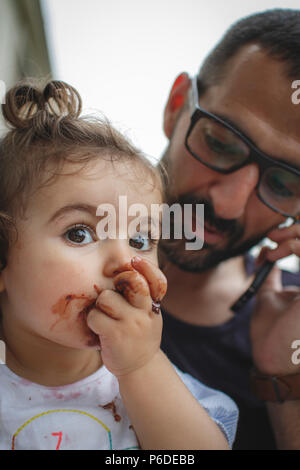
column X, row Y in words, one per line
column 129, row 331
column 276, row 319
column 288, row 240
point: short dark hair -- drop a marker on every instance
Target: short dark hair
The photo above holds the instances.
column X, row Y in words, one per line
column 277, row 31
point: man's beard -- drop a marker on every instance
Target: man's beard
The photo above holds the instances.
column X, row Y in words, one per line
column 209, row 256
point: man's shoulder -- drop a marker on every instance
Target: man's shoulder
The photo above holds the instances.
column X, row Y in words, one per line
column 290, row 278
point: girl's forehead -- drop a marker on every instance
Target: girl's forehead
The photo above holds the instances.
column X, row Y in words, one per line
column 99, row 182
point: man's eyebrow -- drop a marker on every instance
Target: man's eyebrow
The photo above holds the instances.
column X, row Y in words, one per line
column 244, row 134
column 234, row 125
column 73, row 207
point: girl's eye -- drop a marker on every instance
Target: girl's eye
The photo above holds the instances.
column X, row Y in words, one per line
column 79, row 235
column 140, row 242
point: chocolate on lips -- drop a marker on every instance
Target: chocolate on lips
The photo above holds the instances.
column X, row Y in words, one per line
column 63, row 307
column 82, row 318
column 127, row 282
column 63, row 310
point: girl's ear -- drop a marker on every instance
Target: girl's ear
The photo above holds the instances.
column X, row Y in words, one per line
column 175, row 102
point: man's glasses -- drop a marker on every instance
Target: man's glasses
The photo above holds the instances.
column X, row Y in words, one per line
column 221, row 147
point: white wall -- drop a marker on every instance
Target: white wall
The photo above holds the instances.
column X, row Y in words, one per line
column 123, row 55
column 11, row 38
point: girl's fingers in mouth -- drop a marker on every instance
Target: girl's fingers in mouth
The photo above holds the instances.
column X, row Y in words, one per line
column 155, row 278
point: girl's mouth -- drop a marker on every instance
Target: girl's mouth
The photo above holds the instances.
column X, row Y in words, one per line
column 63, row 310
column 93, row 339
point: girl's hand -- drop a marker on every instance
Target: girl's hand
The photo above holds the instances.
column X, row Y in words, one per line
column 129, row 331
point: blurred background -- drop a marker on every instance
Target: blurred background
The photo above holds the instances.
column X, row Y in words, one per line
column 122, row 56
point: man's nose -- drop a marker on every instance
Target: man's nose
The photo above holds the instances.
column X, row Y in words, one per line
column 118, row 257
column 230, row 193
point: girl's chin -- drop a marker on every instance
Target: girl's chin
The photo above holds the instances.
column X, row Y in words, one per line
column 91, row 342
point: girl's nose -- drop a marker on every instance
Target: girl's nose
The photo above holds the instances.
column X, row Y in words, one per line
column 230, row 193
column 118, row 257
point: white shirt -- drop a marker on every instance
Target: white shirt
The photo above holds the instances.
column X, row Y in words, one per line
column 86, row 415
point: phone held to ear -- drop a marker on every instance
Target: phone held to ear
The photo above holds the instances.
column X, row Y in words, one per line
column 260, row 277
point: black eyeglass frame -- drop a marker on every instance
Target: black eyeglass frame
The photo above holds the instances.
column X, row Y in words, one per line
column 263, row 160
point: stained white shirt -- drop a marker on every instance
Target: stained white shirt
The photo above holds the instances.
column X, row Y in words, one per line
column 86, row 415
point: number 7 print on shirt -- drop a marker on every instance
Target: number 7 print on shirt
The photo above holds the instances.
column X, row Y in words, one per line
column 59, row 434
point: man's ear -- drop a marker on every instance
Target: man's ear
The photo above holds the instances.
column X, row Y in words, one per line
column 2, row 286
column 175, row 102
column 2, row 266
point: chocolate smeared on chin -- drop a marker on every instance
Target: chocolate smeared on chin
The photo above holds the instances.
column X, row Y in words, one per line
column 61, row 308
column 82, row 318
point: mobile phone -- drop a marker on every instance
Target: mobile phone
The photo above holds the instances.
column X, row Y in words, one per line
column 260, row 277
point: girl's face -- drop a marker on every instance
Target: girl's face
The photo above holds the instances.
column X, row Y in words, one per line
column 58, row 266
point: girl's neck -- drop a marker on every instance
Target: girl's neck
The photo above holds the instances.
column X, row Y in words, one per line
column 44, row 362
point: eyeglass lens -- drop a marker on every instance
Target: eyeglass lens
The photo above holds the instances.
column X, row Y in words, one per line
column 218, row 147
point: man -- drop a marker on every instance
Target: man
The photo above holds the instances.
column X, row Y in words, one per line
column 239, row 154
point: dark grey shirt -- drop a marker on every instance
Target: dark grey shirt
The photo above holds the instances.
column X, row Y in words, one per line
column 220, row 357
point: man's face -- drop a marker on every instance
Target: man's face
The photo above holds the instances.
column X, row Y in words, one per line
column 255, row 95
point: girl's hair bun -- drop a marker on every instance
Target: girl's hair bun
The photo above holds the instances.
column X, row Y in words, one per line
column 26, row 104
column 62, row 99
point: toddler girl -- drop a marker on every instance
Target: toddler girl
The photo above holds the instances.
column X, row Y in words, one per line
column 80, row 314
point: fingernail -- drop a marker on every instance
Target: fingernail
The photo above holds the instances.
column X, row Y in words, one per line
column 136, row 259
